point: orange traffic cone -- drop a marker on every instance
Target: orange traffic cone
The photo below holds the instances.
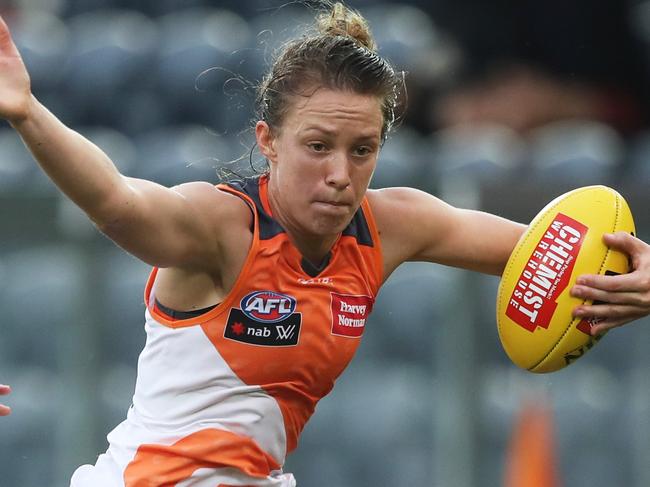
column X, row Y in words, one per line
column 530, row 461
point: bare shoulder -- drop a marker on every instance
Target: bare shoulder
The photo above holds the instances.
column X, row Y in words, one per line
column 408, row 220
column 207, row 223
column 395, row 208
column 225, row 209
column 226, row 221
column 389, row 200
column 204, row 193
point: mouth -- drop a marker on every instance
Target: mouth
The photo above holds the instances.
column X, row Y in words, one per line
column 333, row 203
column 333, row 206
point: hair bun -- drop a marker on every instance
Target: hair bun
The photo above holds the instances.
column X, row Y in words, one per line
column 343, row 21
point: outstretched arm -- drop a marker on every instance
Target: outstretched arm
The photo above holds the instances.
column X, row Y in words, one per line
column 4, row 410
column 417, row 226
column 163, row 227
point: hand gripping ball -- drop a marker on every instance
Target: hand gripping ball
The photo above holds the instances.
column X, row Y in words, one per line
column 534, row 305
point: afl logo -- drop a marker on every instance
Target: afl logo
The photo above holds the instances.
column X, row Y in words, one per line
column 268, row 306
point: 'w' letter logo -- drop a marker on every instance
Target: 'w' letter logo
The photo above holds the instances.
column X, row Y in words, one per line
column 285, row 332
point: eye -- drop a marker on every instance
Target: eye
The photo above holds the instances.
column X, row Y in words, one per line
column 317, row 146
column 363, row 151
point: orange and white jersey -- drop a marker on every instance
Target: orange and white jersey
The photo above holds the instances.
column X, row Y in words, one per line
column 222, row 397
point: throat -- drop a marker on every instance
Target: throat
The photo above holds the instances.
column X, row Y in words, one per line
column 316, row 252
column 312, row 269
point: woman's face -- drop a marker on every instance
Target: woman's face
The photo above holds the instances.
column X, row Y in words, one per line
column 321, row 159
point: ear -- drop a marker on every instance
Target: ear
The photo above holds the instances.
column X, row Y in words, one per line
column 265, row 141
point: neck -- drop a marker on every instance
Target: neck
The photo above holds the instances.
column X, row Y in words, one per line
column 312, row 247
column 314, row 251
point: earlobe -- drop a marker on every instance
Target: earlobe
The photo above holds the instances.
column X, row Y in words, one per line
column 265, row 140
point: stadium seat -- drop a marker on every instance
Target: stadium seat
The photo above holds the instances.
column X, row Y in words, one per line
column 403, row 161
column 120, row 308
column 112, row 53
column 379, row 410
column 405, row 34
column 116, row 386
column 40, row 296
column 197, row 67
column 637, row 170
column 28, row 446
column 178, row 154
column 407, row 315
column 72, row 8
column 274, row 28
column 43, row 40
column 579, row 152
column 17, row 168
column 464, row 158
column 484, row 295
column 483, row 152
column 587, row 395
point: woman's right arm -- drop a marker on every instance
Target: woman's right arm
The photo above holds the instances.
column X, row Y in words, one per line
column 176, row 227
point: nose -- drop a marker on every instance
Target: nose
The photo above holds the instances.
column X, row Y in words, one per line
column 338, row 171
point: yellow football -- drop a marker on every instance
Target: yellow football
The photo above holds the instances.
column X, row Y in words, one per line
column 534, row 305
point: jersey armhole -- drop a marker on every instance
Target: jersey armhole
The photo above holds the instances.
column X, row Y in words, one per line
column 149, row 297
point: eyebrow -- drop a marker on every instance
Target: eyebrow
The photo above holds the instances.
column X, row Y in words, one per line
column 367, row 136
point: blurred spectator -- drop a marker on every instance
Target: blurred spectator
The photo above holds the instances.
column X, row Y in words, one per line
column 531, row 62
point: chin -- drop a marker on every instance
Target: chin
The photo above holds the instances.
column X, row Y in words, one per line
column 325, row 226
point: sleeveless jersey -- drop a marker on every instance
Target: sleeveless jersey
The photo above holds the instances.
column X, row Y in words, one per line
column 221, row 398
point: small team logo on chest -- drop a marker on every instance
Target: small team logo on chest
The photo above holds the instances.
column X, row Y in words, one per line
column 265, row 318
column 268, row 306
column 349, row 314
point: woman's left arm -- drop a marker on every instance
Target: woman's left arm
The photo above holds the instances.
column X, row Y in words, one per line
column 620, row 299
column 416, row 226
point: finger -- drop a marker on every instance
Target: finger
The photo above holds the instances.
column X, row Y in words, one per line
column 611, row 312
column 621, row 297
column 4, row 410
column 624, row 242
column 604, row 326
column 598, row 326
column 4, row 389
column 632, row 282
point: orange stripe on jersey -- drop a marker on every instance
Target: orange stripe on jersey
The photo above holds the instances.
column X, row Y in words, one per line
column 165, row 466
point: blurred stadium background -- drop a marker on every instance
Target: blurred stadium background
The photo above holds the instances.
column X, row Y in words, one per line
column 431, row 398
